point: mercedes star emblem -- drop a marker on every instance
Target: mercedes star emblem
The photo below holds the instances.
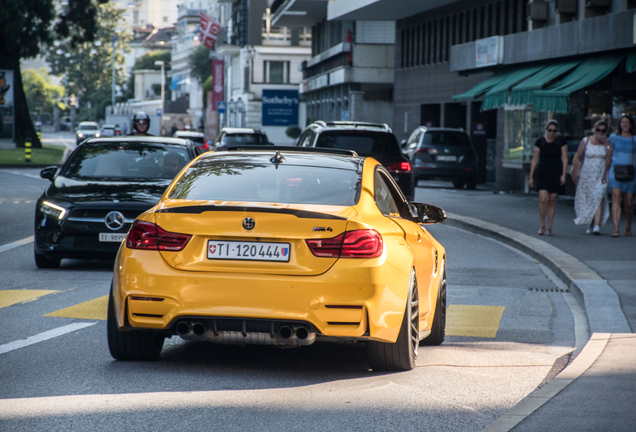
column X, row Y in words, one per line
column 248, row 223
column 114, row 220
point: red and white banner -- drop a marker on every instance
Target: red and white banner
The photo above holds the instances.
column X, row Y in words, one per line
column 217, row 82
column 209, row 29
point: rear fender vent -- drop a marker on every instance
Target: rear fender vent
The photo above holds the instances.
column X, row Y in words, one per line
column 557, row 290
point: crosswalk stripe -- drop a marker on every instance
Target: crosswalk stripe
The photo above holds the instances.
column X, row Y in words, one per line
column 11, row 297
column 473, row 321
column 96, row 309
column 11, row 346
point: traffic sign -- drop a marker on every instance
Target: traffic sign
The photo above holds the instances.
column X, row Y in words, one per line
column 220, row 107
column 158, row 111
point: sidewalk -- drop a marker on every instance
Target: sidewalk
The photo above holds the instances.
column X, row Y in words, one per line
column 597, row 390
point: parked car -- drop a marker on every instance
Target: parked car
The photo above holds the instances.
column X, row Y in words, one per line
column 197, row 137
column 86, row 130
column 98, row 192
column 366, row 139
column 282, row 247
column 442, row 153
column 240, row 136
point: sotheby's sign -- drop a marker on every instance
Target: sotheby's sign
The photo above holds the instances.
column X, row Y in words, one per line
column 280, row 107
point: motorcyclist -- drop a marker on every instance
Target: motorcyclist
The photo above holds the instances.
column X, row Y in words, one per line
column 140, row 124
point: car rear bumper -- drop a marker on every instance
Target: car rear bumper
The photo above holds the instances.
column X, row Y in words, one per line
column 468, row 173
column 358, row 301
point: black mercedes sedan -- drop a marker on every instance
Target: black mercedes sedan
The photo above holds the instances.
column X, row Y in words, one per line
column 98, row 192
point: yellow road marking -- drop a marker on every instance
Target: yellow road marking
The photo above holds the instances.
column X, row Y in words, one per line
column 11, row 297
column 473, row 321
column 93, row 309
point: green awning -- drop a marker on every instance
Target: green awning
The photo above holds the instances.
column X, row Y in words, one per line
column 483, row 86
column 522, row 93
column 631, row 62
column 557, row 98
column 498, row 94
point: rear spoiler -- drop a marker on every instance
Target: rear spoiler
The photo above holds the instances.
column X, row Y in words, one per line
column 294, row 149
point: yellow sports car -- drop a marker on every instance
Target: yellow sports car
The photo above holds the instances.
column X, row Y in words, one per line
column 281, row 246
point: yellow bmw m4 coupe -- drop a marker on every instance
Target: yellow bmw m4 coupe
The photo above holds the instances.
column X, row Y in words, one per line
column 281, row 246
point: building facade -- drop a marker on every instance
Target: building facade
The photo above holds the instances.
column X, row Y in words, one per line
column 262, row 68
column 502, row 68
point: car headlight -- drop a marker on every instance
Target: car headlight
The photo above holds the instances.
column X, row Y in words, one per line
column 80, row 135
column 97, row 135
column 53, row 210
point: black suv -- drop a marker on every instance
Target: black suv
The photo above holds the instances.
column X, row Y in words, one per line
column 374, row 140
column 442, row 153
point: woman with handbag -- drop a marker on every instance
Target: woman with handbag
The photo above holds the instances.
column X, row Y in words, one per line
column 621, row 178
column 589, row 171
column 550, row 161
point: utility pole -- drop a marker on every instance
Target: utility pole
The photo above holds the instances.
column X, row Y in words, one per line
column 113, row 85
column 163, row 90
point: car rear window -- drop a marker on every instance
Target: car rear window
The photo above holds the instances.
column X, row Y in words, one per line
column 248, row 139
column 446, row 138
column 267, row 183
column 124, row 160
column 365, row 143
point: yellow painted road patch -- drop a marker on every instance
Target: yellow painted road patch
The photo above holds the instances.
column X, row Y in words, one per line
column 93, row 309
column 473, row 321
column 11, row 297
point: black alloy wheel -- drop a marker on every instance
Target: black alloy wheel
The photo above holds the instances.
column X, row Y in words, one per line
column 402, row 354
column 458, row 184
column 438, row 329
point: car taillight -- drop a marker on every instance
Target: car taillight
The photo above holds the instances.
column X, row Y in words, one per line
column 398, row 167
column 429, row 150
column 147, row 235
column 366, row 243
column 205, row 146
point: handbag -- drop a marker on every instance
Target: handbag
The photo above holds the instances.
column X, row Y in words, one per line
column 625, row 173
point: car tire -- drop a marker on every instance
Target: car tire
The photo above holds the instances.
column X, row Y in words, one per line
column 457, row 184
column 438, row 329
column 402, row 354
column 134, row 345
column 45, row 262
column 471, row 184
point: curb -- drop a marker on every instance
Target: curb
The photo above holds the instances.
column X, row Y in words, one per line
column 600, row 301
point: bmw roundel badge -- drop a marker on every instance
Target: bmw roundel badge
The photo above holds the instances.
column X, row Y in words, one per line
column 248, row 223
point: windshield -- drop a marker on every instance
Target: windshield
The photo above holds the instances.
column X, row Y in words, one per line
column 365, row 143
column 88, row 127
column 124, row 160
column 248, row 139
column 288, row 184
column 446, row 138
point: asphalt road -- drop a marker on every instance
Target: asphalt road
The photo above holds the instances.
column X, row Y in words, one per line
column 508, row 324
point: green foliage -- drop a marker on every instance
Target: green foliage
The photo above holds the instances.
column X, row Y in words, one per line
column 293, row 131
column 207, row 87
column 40, row 92
column 87, row 66
column 200, row 64
column 147, row 62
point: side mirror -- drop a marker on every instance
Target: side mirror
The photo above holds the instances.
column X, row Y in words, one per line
column 428, row 213
column 48, row 173
column 403, row 144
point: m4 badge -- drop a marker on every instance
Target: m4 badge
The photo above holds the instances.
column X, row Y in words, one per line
column 323, row 229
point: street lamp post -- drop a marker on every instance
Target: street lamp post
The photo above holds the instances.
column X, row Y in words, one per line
column 113, row 83
column 163, row 90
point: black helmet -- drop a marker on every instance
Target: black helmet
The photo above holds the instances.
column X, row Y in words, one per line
column 138, row 117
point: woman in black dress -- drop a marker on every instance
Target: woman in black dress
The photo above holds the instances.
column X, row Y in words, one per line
column 550, row 160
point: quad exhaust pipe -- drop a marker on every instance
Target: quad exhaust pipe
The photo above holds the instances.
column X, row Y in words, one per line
column 287, row 335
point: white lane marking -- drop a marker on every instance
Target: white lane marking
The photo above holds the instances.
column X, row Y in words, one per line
column 16, row 244
column 23, row 174
column 43, row 336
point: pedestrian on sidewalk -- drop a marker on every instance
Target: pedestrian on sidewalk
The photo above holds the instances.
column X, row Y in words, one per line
column 589, row 171
column 623, row 153
column 550, row 160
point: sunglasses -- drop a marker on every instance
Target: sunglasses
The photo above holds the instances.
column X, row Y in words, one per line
column 601, row 130
column 552, row 130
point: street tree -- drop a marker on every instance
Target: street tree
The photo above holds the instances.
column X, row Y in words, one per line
column 28, row 25
column 86, row 66
column 200, row 63
column 41, row 93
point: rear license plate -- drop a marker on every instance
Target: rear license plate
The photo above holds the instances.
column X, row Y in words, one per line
column 447, row 158
column 250, row 251
column 111, row 237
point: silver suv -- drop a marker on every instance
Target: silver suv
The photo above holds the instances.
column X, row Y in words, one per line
column 375, row 140
column 442, row 153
